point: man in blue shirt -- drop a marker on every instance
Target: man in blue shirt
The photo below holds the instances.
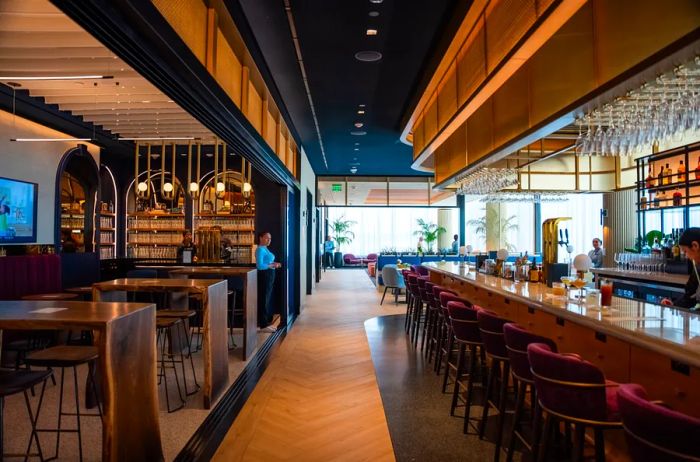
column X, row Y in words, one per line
column 265, row 262
column 455, row 244
column 328, row 247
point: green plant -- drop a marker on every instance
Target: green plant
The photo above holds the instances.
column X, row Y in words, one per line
column 491, row 224
column 430, row 232
column 341, row 231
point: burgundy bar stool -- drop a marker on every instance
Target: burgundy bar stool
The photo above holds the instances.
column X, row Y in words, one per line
column 465, row 327
column 654, row 432
column 517, row 339
column 410, row 280
column 445, row 346
column 491, row 329
column 575, row 392
column 425, row 289
column 430, row 333
column 417, row 304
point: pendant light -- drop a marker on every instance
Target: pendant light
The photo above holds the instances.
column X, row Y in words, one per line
column 193, row 185
column 167, row 188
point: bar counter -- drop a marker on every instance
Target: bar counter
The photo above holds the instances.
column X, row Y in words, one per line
column 632, row 341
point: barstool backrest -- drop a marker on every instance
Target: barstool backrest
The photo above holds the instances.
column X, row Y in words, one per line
column 427, row 292
column 568, row 385
column 464, row 322
column 517, row 339
column 422, row 270
column 446, row 297
column 437, row 290
column 391, row 277
column 491, row 328
column 655, row 432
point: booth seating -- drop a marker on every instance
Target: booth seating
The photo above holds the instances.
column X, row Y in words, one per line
column 351, row 260
column 29, row 275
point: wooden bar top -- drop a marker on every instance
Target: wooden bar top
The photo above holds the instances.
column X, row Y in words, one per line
column 669, row 331
column 155, row 284
column 219, row 270
column 50, row 314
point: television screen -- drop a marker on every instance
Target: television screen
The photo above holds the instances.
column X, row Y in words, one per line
column 18, row 200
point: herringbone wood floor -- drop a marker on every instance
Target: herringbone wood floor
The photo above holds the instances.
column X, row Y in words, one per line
column 318, row 400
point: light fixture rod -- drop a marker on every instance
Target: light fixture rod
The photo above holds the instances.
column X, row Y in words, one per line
column 56, row 77
column 27, row 140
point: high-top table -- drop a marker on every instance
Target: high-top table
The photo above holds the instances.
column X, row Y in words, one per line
column 214, row 325
column 631, row 341
column 250, row 297
column 125, row 342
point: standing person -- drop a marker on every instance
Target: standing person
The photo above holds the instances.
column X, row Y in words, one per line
column 689, row 243
column 596, row 255
column 265, row 262
column 226, row 249
column 455, row 244
column 328, row 247
column 419, row 246
column 4, row 214
column 186, row 251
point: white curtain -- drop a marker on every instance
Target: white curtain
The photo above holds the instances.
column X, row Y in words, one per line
column 584, row 210
column 380, row 228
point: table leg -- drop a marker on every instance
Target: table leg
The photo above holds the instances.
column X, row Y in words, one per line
column 215, row 341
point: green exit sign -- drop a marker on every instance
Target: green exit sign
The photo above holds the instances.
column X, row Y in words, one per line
column 337, row 187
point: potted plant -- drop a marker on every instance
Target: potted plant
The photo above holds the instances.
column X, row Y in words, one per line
column 341, row 235
column 430, row 233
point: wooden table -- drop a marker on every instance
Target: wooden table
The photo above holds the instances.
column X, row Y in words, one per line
column 51, row 297
column 124, row 338
column 214, row 326
column 250, row 297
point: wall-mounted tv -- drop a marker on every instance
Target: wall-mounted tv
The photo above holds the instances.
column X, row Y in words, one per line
column 18, row 202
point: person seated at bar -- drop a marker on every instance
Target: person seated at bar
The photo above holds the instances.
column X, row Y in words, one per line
column 689, row 243
column 328, row 247
column 596, row 255
column 455, row 244
column 226, row 248
column 186, row 251
column 68, row 244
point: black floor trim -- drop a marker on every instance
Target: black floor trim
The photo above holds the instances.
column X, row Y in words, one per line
column 206, row 440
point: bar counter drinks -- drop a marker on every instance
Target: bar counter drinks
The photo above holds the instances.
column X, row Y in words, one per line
column 631, row 341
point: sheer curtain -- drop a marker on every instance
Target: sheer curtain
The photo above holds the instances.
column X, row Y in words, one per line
column 379, row 228
column 584, row 210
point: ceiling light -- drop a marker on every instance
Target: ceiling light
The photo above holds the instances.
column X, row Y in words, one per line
column 145, row 101
column 247, row 187
column 360, row 105
column 357, row 149
column 220, row 187
column 158, row 138
column 25, row 140
column 57, row 77
column 194, row 187
column 358, row 124
column 142, row 186
column 358, row 132
column 373, row 14
column 368, row 56
column 360, row 112
column 353, row 169
column 168, row 187
column 376, row 1
column 371, row 31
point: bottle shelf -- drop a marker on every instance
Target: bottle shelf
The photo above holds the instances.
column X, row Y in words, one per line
column 159, row 230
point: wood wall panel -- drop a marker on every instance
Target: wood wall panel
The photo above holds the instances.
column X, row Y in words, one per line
column 228, row 69
column 510, row 108
column 471, row 70
column 447, row 98
column 507, row 21
column 621, row 224
column 189, row 19
column 254, row 112
column 418, row 139
column 430, row 121
column 270, row 130
column 480, row 132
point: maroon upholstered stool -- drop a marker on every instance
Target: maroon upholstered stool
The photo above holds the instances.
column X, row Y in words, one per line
column 573, row 391
column 465, row 327
column 517, row 339
column 491, row 329
column 430, row 333
column 410, row 279
column 654, row 432
column 425, row 289
column 446, row 343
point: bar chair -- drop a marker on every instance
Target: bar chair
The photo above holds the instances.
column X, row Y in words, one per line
column 575, row 392
column 417, row 303
column 656, row 433
column 164, row 330
column 446, row 347
column 491, row 329
column 465, row 326
column 411, row 290
column 517, row 339
column 68, row 356
column 11, row 383
column 434, row 313
column 425, row 293
column 183, row 316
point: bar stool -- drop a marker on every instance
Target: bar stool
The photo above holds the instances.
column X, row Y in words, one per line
column 575, row 392
column 424, row 287
column 491, row 329
column 416, row 302
column 411, row 289
column 655, row 432
column 64, row 356
column 465, row 327
column 446, row 346
column 517, row 339
column 13, row 382
column 434, row 311
column 165, row 326
column 427, row 298
column 183, row 316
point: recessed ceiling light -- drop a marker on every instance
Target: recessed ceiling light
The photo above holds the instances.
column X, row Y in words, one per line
column 145, row 101
column 368, row 56
column 357, row 144
column 361, row 105
column 376, row 1
column 371, row 31
column 353, row 169
column 360, row 112
column 358, row 132
column 357, row 149
column 358, row 124
column 373, row 14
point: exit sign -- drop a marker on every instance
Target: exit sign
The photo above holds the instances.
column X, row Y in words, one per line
column 337, row 187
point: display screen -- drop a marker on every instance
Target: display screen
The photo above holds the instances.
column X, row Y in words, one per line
column 17, row 211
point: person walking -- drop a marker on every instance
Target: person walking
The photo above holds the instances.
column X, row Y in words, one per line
column 328, row 247
column 266, row 265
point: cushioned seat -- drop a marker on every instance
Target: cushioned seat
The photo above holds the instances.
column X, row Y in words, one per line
column 62, row 356
column 12, row 382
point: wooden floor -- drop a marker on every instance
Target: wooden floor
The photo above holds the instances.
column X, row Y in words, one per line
column 319, row 400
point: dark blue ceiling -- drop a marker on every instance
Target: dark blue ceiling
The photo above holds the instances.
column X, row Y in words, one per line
column 412, row 35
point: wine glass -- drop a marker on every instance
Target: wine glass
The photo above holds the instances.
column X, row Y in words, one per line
column 618, row 260
column 566, row 280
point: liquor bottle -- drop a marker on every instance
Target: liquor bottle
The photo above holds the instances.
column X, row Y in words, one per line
column 661, row 174
column 651, row 180
column 668, row 246
column 656, row 248
column 668, row 173
column 676, row 251
column 681, row 172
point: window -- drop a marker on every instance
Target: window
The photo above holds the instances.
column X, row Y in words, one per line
column 584, row 210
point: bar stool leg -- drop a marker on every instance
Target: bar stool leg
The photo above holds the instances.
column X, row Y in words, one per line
column 487, row 395
column 448, row 357
column 502, row 405
column 470, row 388
column 579, row 441
column 536, row 428
column 77, row 412
column 460, row 368
column 599, row 445
column 549, row 422
column 519, row 406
